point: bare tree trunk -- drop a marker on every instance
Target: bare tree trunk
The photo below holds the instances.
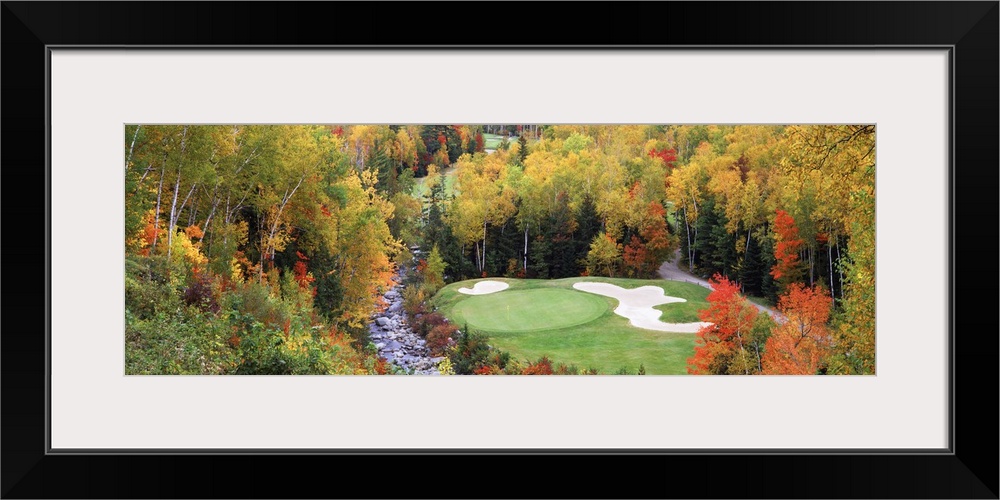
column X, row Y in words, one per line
column 263, row 250
column 143, row 177
column 840, row 271
column 173, row 205
column 812, row 265
column 176, row 215
column 526, row 248
column 756, row 348
column 186, row 198
column 215, row 204
column 829, row 253
column 743, row 352
column 477, row 255
column 482, row 268
column 128, row 159
column 170, row 220
column 156, row 223
column 226, row 218
column 277, row 217
column 687, row 231
column 694, row 252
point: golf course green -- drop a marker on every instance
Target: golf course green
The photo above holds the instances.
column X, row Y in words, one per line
column 534, row 318
column 529, row 310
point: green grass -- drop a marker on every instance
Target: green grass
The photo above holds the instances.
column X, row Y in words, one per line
column 492, row 141
column 760, row 301
column 574, row 327
column 420, row 189
column 529, row 310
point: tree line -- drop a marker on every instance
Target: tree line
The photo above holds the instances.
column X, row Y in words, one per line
column 314, row 220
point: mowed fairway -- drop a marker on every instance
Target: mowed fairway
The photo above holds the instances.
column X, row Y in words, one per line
column 535, row 318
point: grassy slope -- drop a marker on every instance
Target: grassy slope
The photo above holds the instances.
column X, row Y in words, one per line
column 420, row 190
column 606, row 343
column 492, row 141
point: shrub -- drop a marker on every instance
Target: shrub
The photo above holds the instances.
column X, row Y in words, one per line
column 445, row 368
column 202, row 293
column 499, row 358
column 472, row 352
column 562, row 369
column 514, row 367
column 183, row 342
column 413, row 300
column 487, row 370
column 423, row 324
column 270, row 351
column 541, row 367
column 439, row 338
column 255, row 301
column 148, row 290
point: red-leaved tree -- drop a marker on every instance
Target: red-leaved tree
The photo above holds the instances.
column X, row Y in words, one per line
column 721, row 347
column 788, row 268
column 645, row 252
column 634, row 257
column 301, row 272
column 669, row 156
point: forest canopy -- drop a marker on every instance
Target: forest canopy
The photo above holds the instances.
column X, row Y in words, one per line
column 269, row 248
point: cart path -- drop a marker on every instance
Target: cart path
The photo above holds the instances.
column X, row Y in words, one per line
column 670, row 271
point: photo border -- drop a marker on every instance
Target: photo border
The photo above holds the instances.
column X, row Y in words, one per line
column 971, row 34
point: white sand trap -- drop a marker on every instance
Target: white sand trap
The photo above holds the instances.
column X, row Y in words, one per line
column 484, row 287
column 637, row 305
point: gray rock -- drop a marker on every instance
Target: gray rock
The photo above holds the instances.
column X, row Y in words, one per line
column 381, row 321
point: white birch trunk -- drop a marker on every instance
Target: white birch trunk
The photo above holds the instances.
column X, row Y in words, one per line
column 277, row 217
column 131, row 148
column 156, row 223
column 829, row 253
column 171, row 220
column 173, row 206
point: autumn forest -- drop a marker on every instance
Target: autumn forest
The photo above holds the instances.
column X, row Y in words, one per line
column 499, row 249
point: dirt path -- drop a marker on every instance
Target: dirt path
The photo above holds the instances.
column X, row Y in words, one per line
column 670, row 271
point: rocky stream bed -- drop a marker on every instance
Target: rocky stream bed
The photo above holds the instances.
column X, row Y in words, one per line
column 396, row 341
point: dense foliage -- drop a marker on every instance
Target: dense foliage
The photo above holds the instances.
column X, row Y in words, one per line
column 266, row 249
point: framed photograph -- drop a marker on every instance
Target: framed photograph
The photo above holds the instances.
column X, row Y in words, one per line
column 782, row 209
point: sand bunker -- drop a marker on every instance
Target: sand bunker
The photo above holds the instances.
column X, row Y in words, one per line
column 484, row 287
column 637, row 305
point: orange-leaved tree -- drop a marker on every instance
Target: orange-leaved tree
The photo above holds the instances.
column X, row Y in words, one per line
column 800, row 345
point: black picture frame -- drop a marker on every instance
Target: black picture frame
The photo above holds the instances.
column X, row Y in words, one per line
column 967, row 470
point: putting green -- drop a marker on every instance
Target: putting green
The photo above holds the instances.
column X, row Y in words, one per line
column 529, row 310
